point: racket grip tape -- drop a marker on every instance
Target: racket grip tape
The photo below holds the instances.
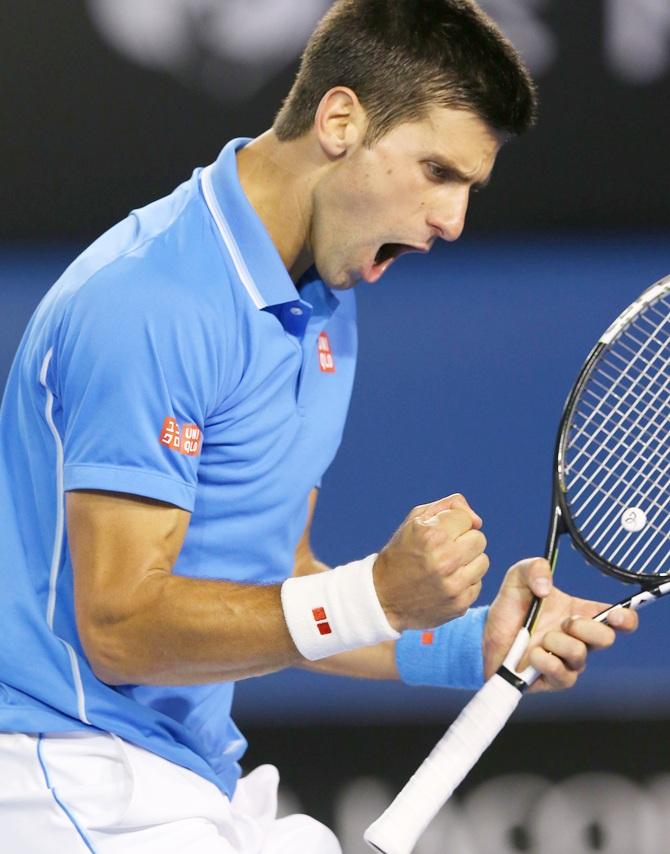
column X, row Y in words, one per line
column 397, row 830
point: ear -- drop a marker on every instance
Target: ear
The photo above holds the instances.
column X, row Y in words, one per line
column 340, row 121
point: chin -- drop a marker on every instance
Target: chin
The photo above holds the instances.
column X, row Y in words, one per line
column 341, row 280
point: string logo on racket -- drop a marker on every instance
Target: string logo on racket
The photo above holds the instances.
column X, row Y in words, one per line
column 633, row 519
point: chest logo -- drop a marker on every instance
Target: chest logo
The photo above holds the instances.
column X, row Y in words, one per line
column 186, row 440
column 326, row 361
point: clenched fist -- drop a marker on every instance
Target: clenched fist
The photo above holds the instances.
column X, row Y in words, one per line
column 431, row 570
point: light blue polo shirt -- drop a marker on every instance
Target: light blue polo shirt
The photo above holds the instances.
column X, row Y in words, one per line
column 174, row 359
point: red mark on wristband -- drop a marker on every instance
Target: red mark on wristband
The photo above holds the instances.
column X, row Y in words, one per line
column 321, row 621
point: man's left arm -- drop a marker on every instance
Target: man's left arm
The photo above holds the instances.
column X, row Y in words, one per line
column 564, row 634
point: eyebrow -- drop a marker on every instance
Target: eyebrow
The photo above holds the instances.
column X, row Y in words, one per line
column 458, row 174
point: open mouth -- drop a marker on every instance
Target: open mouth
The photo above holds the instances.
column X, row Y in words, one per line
column 386, row 255
column 391, row 251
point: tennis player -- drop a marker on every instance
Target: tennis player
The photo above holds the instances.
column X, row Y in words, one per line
column 172, row 407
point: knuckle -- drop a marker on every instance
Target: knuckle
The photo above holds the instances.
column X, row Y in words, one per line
column 609, row 636
column 553, row 666
column 452, row 588
column 485, row 563
column 450, row 563
column 474, row 590
column 579, row 660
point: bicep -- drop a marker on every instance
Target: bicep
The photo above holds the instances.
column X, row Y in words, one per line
column 117, row 541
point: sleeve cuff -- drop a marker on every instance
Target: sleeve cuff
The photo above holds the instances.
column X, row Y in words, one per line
column 148, row 484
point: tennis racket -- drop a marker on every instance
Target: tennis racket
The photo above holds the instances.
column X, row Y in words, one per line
column 611, row 495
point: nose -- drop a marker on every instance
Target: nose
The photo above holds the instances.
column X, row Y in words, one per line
column 447, row 217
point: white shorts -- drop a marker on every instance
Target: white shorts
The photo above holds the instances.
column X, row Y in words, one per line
column 83, row 793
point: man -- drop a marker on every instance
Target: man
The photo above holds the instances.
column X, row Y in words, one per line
column 172, row 407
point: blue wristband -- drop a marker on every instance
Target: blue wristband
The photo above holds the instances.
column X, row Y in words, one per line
column 449, row 656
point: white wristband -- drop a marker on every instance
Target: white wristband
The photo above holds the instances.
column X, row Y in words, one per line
column 335, row 611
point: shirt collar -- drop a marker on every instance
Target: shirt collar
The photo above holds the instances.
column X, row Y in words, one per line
column 255, row 256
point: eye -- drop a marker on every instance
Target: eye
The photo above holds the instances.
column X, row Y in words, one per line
column 437, row 172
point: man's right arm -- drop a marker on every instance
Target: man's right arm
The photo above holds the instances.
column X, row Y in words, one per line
column 140, row 623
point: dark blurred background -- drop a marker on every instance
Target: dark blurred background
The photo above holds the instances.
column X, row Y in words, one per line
column 465, row 359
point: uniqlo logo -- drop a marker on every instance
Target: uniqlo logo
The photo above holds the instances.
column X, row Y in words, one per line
column 186, row 440
column 191, row 440
column 171, row 434
column 326, row 361
column 321, row 621
column 427, row 638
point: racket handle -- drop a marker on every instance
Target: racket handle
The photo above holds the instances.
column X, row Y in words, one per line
column 398, row 828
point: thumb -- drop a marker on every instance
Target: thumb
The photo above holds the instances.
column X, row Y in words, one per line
column 535, row 574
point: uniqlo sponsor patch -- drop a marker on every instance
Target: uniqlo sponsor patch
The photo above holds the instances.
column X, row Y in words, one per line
column 186, row 440
column 191, row 440
column 326, row 361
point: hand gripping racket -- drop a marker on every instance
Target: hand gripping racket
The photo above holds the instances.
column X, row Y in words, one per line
column 611, row 494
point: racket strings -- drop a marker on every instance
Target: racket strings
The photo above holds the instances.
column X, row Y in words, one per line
column 626, row 425
column 651, row 453
column 647, row 376
column 617, row 454
column 649, row 489
column 615, row 432
column 621, row 506
column 642, row 461
column 653, row 524
column 629, row 381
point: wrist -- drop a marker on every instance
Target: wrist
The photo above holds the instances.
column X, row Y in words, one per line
column 335, row 611
column 450, row 656
column 394, row 617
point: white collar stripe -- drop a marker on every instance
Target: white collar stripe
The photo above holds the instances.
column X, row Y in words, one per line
column 227, row 236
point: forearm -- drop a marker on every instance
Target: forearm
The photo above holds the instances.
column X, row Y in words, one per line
column 184, row 631
column 370, row 662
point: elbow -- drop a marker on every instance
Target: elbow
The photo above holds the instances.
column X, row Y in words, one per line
column 108, row 650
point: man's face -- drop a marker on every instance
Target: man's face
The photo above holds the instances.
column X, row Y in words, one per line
column 408, row 189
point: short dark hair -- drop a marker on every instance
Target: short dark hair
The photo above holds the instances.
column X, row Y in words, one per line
column 402, row 57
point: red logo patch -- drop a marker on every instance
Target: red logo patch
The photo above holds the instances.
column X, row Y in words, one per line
column 427, row 638
column 186, row 440
column 326, row 361
column 321, row 621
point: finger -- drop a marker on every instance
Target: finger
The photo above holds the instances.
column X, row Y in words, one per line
column 555, row 674
column 596, row 635
column 451, row 502
column 449, row 554
column 452, row 523
column 569, row 649
column 471, row 573
column 623, row 620
column 535, row 574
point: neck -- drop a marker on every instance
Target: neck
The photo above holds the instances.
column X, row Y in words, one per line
column 278, row 178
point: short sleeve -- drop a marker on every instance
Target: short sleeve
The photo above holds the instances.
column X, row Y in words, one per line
column 136, row 369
